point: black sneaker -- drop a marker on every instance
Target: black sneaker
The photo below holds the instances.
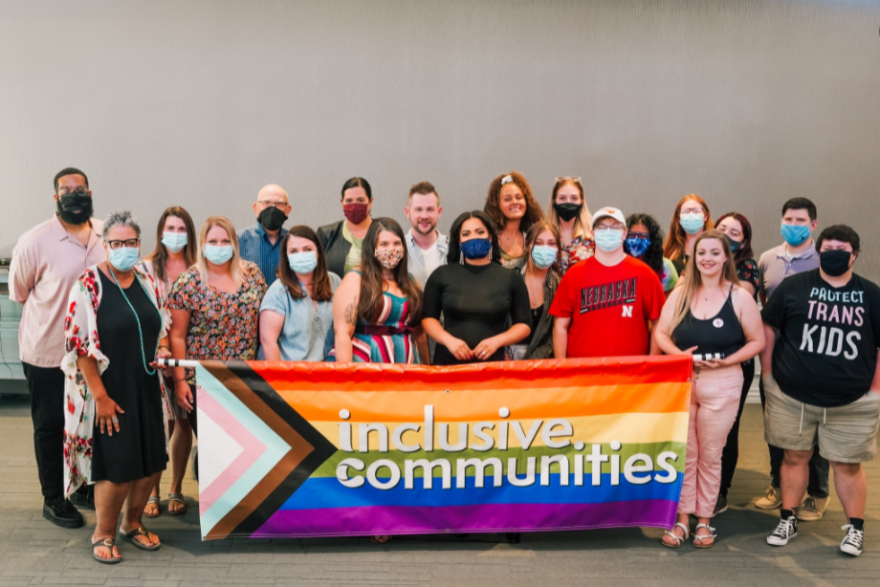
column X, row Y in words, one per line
column 61, row 512
column 853, row 541
column 784, row 533
column 84, row 497
column 721, row 505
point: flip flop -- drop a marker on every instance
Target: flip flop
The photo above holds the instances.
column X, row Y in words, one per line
column 177, row 497
column 142, row 531
column 109, row 543
column 153, row 499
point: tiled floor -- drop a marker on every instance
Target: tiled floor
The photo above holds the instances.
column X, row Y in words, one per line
column 33, row 551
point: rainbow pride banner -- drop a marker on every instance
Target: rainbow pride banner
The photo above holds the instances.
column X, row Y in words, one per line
column 320, row 449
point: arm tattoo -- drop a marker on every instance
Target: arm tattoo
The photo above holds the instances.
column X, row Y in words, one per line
column 351, row 314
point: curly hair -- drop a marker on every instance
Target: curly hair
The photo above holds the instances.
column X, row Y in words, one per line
column 653, row 257
column 493, row 209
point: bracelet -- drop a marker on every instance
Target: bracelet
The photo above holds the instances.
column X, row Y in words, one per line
column 176, row 380
column 162, row 346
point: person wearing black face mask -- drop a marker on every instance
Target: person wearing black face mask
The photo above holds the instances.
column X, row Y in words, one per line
column 822, row 381
column 261, row 243
column 569, row 212
column 46, row 262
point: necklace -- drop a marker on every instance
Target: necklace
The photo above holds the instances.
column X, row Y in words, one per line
column 140, row 332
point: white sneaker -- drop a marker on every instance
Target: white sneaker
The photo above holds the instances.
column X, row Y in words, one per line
column 853, row 541
column 784, row 533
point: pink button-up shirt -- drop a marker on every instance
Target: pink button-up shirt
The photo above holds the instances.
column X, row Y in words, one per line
column 46, row 262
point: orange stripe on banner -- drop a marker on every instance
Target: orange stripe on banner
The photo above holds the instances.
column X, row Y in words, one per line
column 503, row 375
column 468, row 404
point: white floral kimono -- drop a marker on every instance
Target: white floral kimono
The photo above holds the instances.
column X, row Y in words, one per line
column 81, row 339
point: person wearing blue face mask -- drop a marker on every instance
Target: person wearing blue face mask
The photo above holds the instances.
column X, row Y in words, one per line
column 116, row 327
column 214, row 308
column 541, row 274
column 606, row 305
column 797, row 254
column 296, row 315
column 175, row 252
column 644, row 241
column 690, row 220
column 485, row 306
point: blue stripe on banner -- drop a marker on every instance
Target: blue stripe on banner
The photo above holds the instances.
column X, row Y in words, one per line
column 328, row 492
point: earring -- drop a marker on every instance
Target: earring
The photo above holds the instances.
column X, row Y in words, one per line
column 461, row 258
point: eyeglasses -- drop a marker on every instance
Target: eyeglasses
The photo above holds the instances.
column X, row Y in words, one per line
column 130, row 243
column 79, row 190
column 642, row 236
column 266, row 203
column 571, row 179
column 696, row 210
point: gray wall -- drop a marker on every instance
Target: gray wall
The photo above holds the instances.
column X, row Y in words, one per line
column 200, row 103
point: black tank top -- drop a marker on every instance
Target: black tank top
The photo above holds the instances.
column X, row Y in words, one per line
column 720, row 334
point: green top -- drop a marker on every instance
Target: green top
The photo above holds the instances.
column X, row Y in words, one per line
column 353, row 259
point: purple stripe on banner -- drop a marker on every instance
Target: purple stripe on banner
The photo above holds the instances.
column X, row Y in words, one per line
column 373, row 520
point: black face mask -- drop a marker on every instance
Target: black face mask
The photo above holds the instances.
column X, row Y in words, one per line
column 834, row 263
column 271, row 218
column 735, row 246
column 567, row 211
column 75, row 207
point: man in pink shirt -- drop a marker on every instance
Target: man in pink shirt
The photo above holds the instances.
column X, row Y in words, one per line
column 46, row 262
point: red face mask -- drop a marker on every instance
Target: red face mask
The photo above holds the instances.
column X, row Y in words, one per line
column 355, row 213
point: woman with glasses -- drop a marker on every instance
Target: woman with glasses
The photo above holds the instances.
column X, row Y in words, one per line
column 175, row 252
column 214, row 308
column 297, row 313
column 738, row 231
column 690, row 219
column 114, row 332
column 485, row 306
column 569, row 213
column 512, row 207
column 343, row 240
column 644, row 241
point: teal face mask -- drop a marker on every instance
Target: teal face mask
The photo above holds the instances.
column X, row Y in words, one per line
column 608, row 240
column 304, row 262
column 543, row 256
column 692, row 223
column 218, row 255
column 124, row 258
column 794, row 234
column 174, row 241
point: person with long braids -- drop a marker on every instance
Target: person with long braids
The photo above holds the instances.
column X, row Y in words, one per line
column 644, row 241
column 378, row 305
column 690, row 219
column 513, row 208
column 570, row 214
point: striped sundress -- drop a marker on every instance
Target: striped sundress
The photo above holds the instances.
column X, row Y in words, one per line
column 388, row 339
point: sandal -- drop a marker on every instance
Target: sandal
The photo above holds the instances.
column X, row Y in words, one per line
column 142, row 531
column 109, row 543
column 711, row 535
column 679, row 540
column 178, row 497
column 153, row 500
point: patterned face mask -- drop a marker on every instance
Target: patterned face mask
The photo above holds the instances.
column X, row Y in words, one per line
column 389, row 258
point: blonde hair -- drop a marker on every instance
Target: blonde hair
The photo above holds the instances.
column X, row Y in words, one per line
column 235, row 262
column 583, row 223
column 693, row 280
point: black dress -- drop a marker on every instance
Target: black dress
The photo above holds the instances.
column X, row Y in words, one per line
column 138, row 449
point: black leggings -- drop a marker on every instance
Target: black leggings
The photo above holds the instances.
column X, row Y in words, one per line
column 730, row 454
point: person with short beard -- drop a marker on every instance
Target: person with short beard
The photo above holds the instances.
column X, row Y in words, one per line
column 426, row 246
column 46, row 262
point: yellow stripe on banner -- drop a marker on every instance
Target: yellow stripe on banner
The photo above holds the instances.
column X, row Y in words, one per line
column 626, row 428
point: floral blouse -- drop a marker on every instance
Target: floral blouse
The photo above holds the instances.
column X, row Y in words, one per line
column 580, row 248
column 222, row 326
column 747, row 270
column 80, row 340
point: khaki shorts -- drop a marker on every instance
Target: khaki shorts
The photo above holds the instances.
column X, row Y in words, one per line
column 845, row 434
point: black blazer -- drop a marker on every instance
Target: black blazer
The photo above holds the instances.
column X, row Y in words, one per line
column 336, row 248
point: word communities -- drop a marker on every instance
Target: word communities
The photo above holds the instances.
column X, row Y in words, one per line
column 570, row 465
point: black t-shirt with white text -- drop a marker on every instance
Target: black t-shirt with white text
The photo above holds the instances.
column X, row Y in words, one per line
column 826, row 344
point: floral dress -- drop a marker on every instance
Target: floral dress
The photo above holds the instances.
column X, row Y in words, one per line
column 81, row 339
column 579, row 249
column 747, row 270
column 222, row 326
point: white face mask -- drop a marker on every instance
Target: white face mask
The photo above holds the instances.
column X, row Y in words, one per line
column 608, row 239
column 174, row 241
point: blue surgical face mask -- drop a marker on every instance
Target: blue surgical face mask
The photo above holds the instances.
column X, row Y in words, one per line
column 543, row 256
column 304, row 262
column 174, row 241
column 218, row 255
column 476, row 248
column 692, row 223
column 608, row 239
column 637, row 246
column 795, row 234
column 124, row 258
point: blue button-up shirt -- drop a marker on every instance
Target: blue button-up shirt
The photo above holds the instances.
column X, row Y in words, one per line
column 254, row 246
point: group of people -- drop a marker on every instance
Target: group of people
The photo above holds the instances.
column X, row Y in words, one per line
column 510, row 282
